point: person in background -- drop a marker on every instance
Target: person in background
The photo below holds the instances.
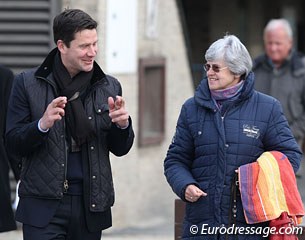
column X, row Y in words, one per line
column 64, row 118
column 225, row 125
column 7, row 219
column 280, row 72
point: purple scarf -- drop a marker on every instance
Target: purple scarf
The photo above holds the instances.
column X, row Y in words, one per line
column 224, row 94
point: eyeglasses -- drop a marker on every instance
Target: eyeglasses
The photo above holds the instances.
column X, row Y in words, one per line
column 214, row 67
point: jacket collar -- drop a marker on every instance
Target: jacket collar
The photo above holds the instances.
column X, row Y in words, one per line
column 203, row 96
column 295, row 61
column 45, row 69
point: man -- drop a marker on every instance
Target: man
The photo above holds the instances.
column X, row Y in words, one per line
column 63, row 119
column 280, row 72
column 7, row 221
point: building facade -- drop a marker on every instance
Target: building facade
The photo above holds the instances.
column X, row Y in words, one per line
column 156, row 49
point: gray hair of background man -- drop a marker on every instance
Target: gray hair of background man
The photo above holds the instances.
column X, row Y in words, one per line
column 234, row 54
column 274, row 24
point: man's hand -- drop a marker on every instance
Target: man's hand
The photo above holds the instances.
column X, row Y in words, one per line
column 117, row 111
column 54, row 112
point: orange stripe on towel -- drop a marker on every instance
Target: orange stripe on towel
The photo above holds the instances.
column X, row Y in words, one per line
column 268, row 188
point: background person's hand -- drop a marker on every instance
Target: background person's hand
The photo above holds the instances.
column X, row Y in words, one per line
column 193, row 193
column 54, row 112
column 117, row 111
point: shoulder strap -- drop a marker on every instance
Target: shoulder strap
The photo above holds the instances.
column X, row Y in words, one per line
column 233, row 205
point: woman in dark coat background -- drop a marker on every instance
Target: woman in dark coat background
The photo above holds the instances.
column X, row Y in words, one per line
column 7, row 220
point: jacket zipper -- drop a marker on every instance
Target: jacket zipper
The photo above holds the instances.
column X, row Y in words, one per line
column 65, row 184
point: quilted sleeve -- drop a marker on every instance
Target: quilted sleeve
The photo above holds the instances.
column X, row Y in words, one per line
column 177, row 164
column 279, row 137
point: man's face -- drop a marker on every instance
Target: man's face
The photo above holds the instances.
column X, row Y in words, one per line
column 277, row 45
column 81, row 54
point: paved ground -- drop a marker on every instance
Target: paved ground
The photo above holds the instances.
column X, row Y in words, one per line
column 301, row 179
column 156, row 232
column 17, row 235
column 301, row 184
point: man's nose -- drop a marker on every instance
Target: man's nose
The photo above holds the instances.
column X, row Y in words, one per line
column 92, row 51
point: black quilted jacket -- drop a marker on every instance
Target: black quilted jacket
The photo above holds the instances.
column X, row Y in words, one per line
column 44, row 154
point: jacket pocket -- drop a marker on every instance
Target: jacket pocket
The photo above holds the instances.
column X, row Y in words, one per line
column 201, row 209
column 102, row 113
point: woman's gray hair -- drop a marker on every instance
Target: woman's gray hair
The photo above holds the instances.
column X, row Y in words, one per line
column 274, row 24
column 234, row 54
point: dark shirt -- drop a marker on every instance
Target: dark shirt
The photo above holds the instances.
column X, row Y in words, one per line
column 75, row 173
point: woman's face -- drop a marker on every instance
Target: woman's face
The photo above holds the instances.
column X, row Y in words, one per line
column 219, row 76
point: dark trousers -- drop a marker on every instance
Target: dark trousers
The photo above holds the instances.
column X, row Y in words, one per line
column 68, row 223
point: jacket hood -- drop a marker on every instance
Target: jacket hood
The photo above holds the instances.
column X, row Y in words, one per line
column 203, row 95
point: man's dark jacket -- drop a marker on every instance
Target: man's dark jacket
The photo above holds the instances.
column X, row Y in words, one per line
column 7, row 221
column 45, row 157
column 286, row 84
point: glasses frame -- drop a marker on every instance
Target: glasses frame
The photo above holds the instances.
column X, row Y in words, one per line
column 216, row 68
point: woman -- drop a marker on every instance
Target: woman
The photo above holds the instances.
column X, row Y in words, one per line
column 225, row 125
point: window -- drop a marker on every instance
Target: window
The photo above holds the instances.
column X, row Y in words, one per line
column 151, row 100
column 26, row 32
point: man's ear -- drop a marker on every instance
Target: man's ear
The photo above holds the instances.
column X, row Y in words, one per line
column 61, row 46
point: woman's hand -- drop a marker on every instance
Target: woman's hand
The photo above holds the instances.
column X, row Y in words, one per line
column 193, row 193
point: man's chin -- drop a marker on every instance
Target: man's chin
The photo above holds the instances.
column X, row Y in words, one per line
column 276, row 59
column 88, row 68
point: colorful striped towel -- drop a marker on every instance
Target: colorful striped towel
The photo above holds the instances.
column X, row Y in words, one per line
column 268, row 187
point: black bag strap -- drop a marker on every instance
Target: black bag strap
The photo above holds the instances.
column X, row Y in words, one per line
column 233, row 206
column 233, row 202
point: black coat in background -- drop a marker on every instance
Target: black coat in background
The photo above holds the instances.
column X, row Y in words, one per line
column 7, row 220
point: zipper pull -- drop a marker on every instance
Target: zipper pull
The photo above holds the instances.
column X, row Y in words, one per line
column 66, row 186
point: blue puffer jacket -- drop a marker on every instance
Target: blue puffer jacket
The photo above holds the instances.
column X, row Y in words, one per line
column 209, row 145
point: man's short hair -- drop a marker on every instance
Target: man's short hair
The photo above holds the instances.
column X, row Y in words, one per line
column 275, row 23
column 69, row 22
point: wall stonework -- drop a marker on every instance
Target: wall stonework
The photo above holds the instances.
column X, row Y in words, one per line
column 143, row 196
column 91, row 7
